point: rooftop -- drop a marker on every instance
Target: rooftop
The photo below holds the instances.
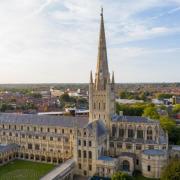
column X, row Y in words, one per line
column 154, row 152
column 135, row 119
column 176, row 148
column 62, row 121
column 7, row 147
column 101, row 129
column 78, row 177
column 106, row 158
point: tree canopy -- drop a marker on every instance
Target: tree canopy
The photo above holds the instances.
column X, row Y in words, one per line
column 121, row 176
column 151, row 112
column 176, row 108
column 172, row 171
column 134, row 95
column 65, row 97
column 164, row 96
column 167, row 124
column 174, row 136
column 131, row 110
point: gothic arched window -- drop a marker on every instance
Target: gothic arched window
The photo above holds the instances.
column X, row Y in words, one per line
column 90, row 155
column 121, row 132
column 130, row 133
column 126, row 165
column 113, row 130
column 140, row 134
column 149, row 133
column 104, row 104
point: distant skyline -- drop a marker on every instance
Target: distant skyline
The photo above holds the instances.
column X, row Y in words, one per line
column 56, row 41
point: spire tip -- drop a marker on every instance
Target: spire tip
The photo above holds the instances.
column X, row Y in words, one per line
column 101, row 11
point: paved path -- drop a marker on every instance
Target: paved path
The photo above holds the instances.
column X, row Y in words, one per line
column 60, row 171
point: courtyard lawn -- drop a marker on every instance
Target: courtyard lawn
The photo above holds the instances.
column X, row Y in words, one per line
column 24, row 170
column 139, row 177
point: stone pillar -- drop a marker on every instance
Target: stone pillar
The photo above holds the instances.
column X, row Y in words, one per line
column 117, row 133
column 145, row 134
column 135, row 133
column 126, row 132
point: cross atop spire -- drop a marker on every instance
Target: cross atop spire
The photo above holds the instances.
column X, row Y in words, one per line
column 102, row 70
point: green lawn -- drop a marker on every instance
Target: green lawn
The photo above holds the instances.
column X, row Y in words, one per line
column 139, row 177
column 24, row 170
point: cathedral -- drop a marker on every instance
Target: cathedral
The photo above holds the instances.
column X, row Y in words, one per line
column 111, row 142
column 100, row 144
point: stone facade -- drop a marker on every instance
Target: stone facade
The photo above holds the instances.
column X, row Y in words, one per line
column 153, row 162
column 126, row 137
column 40, row 138
column 8, row 152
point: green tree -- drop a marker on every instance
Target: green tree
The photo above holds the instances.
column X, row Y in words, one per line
column 172, row 171
column 162, row 107
column 151, row 112
column 131, row 109
column 65, row 97
column 36, row 95
column 81, row 102
column 121, row 176
column 176, row 108
column 3, row 107
column 167, row 124
column 174, row 136
column 164, row 96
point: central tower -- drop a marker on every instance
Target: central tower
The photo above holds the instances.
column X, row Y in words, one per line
column 102, row 89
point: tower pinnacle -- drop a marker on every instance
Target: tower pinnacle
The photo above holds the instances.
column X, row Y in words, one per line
column 113, row 77
column 101, row 11
column 102, row 70
column 101, row 90
column 91, row 77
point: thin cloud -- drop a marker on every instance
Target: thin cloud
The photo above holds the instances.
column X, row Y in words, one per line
column 55, row 38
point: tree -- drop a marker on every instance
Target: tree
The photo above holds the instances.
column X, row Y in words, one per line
column 3, row 107
column 171, row 171
column 176, row 108
column 174, row 136
column 65, row 97
column 163, row 107
column 151, row 112
column 121, row 176
column 131, row 109
column 82, row 102
column 164, row 96
column 167, row 124
column 36, row 95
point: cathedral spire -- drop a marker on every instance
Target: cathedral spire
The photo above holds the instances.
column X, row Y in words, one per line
column 102, row 70
column 113, row 77
column 91, row 77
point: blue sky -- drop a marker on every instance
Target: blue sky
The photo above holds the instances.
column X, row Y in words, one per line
column 55, row 41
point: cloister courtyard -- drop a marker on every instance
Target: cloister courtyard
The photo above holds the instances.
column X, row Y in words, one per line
column 20, row 170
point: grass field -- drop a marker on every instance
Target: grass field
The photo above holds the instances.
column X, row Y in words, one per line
column 139, row 177
column 24, row 170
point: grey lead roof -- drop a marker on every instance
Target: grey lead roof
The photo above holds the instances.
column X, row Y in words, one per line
column 106, row 158
column 135, row 119
column 7, row 147
column 62, row 121
column 101, row 129
column 154, row 152
column 176, row 148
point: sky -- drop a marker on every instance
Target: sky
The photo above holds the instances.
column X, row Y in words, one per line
column 56, row 41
